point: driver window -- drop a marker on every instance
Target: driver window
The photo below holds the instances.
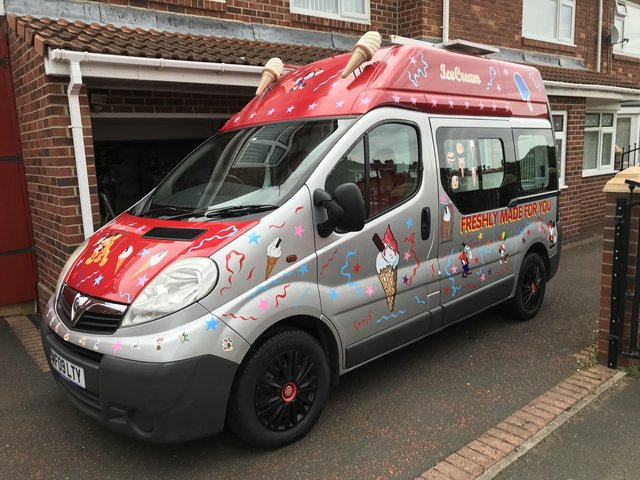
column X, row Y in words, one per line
column 384, row 165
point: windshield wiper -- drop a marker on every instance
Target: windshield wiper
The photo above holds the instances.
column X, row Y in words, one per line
column 168, row 209
column 238, row 210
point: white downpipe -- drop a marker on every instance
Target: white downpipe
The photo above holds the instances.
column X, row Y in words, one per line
column 2, row 10
column 445, row 21
column 75, row 84
column 599, row 51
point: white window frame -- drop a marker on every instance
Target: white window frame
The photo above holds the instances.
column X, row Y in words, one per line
column 563, row 137
column 341, row 15
column 556, row 38
column 600, row 169
column 622, row 13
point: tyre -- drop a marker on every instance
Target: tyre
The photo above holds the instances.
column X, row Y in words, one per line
column 280, row 390
column 532, row 282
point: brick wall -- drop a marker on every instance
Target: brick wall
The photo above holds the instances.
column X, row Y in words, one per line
column 49, row 161
column 582, row 202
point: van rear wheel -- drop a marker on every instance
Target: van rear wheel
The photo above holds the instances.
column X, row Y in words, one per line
column 532, row 283
column 281, row 390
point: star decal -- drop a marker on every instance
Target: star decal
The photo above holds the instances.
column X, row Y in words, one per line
column 482, row 278
column 264, row 304
column 291, row 108
column 340, row 103
column 312, row 106
column 144, row 252
column 299, row 231
column 253, row 114
column 481, row 106
column 494, row 107
column 413, row 100
column 507, row 107
column 356, row 268
column 334, row 84
column 476, row 260
column 505, row 72
column 212, row 323
column 236, row 120
column 405, row 280
column 142, row 280
column 271, row 112
column 499, row 88
column 451, row 103
column 528, row 232
column 117, row 346
column 443, row 198
column 434, row 102
column 446, row 290
column 412, row 60
column 524, row 240
column 369, row 290
column 253, row 237
column 333, row 294
column 454, row 269
column 466, row 104
column 407, row 256
column 409, row 222
column 488, row 242
column 140, row 228
column 303, row 269
column 97, row 280
column 480, row 236
column 396, row 98
column 365, row 101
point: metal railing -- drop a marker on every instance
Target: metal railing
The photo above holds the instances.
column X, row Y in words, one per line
column 628, row 157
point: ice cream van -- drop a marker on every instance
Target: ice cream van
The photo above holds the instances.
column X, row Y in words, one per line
column 354, row 206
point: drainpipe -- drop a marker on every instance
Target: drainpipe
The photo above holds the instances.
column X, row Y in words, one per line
column 2, row 11
column 599, row 51
column 75, row 84
column 445, row 21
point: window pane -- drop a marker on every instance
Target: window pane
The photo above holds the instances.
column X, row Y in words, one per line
column 326, row 6
column 607, row 119
column 629, row 27
column 539, row 18
column 559, row 155
column 353, row 6
column 533, row 162
column 591, row 150
column 623, row 132
column 607, row 139
column 491, row 162
column 558, row 123
column 349, row 170
column 566, row 20
column 592, row 120
column 394, row 165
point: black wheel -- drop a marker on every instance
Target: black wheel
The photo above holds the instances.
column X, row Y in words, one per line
column 532, row 283
column 280, row 391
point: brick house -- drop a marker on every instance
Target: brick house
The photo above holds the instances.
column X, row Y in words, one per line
column 111, row 93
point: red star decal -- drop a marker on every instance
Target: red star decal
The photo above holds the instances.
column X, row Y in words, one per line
column 446, row 290
column 528, row 232
column 488, row 243
column 356, row 268
column 476, row 260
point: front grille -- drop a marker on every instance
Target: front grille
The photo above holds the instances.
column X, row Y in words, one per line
column 84, row 352
column 99, row 317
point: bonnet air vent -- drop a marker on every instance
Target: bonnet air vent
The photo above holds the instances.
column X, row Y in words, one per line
column 166, row 233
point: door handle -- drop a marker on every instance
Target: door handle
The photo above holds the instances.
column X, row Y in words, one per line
column 425, row 223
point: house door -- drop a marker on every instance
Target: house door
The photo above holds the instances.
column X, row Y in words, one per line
column 17, row 259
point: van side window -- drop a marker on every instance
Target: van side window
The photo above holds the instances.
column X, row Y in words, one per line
column 385, row 164
column 476, row 169
column 536, row 161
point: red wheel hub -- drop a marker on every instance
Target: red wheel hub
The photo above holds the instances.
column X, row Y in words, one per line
column 289, row 392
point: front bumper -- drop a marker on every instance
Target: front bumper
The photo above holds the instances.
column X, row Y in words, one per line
column 166, row 402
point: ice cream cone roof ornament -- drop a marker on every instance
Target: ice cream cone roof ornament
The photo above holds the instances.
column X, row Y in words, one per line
column 364, row 50
column 270, row 74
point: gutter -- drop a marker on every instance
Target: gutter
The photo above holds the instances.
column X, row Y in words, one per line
column 445, row 21
column 595, row 91
column 2, row 10
column 80, row 65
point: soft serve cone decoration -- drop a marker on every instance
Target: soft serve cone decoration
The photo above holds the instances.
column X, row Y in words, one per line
column 364, row 50
column 270, row 74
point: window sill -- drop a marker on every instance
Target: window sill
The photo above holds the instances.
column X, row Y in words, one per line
column 627, row 57
column 549, row 43
column 597, row 173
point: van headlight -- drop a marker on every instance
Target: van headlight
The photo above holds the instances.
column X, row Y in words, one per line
column 179, row 285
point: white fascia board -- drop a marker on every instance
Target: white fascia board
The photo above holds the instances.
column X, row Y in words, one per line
column 563, row 89
column 95, row 65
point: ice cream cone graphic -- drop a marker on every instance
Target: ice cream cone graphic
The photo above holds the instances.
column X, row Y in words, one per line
column 270, row 74
column 123, row 256
column 364, row 50
column 387, row 265
column 274, row 252
column 153, row 261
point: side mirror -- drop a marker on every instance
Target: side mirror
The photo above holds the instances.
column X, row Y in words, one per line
column 345, row 210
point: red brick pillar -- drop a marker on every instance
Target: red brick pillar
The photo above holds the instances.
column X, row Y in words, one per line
column 616, row 189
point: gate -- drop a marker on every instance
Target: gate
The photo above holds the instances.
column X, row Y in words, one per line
column 18, row 275
column 625, row 288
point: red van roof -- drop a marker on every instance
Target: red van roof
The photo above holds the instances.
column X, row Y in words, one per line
column 419, row 77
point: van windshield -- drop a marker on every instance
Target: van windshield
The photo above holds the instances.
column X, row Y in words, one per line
column 244, row 171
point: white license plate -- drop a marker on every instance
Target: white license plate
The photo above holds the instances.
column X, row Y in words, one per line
column 68, row 370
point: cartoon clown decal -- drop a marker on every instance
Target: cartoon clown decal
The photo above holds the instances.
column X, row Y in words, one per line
column 465, row 258
column 502, row 249
column 387, row 264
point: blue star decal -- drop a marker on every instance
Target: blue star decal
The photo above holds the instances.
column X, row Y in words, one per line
column 409, row 222
column 303, row 269
column 253, row 237
column 144, row 252
column 333, row 294
column 212, row 323
column 97, row 280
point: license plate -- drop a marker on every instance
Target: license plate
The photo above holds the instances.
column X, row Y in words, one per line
column 69, row 371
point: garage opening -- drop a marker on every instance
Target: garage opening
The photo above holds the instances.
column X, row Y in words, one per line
column 133, row 154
